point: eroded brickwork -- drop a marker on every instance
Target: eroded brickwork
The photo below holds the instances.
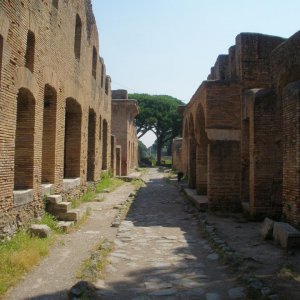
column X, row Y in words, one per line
column 54, row 97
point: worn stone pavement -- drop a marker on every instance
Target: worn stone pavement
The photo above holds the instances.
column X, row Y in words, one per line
column 158, row 254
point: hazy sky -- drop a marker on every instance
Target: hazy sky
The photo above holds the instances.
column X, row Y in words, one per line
column 168, row 46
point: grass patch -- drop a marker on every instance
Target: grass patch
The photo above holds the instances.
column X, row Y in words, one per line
column 108, row 183
column 86, row 197
column 92, row 267
column 18, row 256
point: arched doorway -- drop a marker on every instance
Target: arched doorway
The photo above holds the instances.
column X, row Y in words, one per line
column 73, row 118
column 91, row 146
column 104, row 144
column 24, row 140
column 49, row 135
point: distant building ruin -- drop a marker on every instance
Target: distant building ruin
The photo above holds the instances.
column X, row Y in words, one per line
column 124, row 111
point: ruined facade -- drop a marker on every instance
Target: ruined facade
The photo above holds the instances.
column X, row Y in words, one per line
column 240, row 131
column 55, row 104
column 124, row 111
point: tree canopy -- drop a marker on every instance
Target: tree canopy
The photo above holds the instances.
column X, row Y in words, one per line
column 158, row 113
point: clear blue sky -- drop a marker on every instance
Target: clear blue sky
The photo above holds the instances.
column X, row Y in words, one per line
column 168, row 46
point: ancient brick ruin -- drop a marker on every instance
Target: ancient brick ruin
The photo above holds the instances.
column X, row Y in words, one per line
column 55, row 99
column 241, row 134
column 123, row 127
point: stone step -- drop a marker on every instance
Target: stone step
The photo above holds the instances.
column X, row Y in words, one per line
column 54, row 199
column 200, row 201
column 61, row 207
column 71, row 215
column 66, row 226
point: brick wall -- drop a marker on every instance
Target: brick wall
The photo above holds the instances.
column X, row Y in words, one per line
column 223, row 175
column 264, row 180
column 291, row 166
column 40, row 60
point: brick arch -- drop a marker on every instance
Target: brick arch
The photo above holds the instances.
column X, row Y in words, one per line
column 24, row 140
column 25, row 79
column 104, row 144
column 51, row 78
column 4, row 24
column 49, row 134
column 91, row 153
column 72, row 154
column 30, row 51
column 78, row 37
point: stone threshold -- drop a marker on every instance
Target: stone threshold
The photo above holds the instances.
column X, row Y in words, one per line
column 200, row 201
column 71, row 183
column 22, row 197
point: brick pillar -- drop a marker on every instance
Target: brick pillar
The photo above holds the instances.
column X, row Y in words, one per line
column 223, row 187
column 113, row 154
column 118, row 161
column 201, row 169
column 192, row 163
column 265, row 152
column 291, row 162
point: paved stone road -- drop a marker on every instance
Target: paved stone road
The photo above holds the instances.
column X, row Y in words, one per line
column 159, row 253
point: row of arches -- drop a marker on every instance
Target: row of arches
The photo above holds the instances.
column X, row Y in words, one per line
column 197, row 150
column 25, row 139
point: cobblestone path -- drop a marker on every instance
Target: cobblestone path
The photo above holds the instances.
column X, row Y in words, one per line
column 159, row 253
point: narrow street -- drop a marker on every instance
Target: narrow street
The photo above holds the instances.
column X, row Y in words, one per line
column 158, row 253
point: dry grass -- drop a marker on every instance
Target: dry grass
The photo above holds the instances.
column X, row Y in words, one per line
column 18, row 256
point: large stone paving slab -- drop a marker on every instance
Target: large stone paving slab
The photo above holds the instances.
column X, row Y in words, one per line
column 160, row 254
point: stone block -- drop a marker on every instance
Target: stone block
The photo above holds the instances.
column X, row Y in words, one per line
column 22, row 197
column 267, row 229
column 71, row 215
column 40, row 230
column 63, row 207
column 65, row 226
column 286, row 235
column 71, row 183
column 54, row 199
column 47, row 189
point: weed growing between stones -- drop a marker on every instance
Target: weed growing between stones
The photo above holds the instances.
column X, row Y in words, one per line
column 92, row 268
column 50, row 221
column 86, row 197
